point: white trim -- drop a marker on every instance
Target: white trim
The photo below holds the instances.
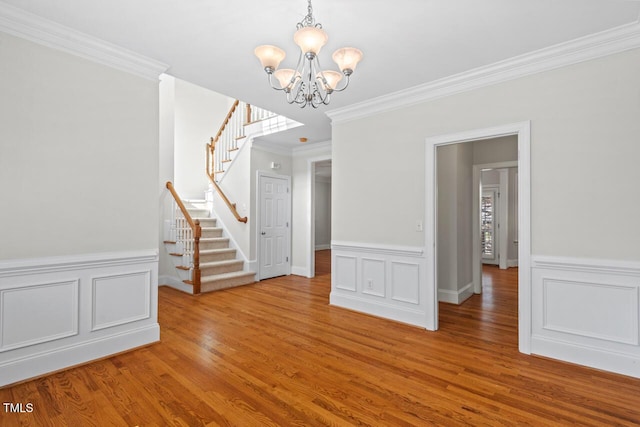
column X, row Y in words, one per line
column 582, row 49
column 523, row 131
column 23, row 369
column 28, row 26
column 300, row 271
column 18, row 267
column 455, row 297
column 618, row 362
column 308, row 149
column 608, row 267
column 411, row 251
column 323, row 247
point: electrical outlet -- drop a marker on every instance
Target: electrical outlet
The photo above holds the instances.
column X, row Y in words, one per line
column 369, row 284
column 419, row 226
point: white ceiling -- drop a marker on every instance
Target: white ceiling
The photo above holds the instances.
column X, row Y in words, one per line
column 405, row 42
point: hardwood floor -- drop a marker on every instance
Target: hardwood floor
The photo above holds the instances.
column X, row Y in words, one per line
column 276, row 354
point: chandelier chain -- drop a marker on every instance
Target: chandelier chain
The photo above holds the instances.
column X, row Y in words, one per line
column 309, row 20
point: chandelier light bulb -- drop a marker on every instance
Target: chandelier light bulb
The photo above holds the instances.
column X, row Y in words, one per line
column 347, row 59
column 310, row 39
column 332, row 78
column 269, row 56
column 285, row 77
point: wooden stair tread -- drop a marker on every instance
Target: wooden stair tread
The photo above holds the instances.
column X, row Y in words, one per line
column 170, row 242
column 183, row 267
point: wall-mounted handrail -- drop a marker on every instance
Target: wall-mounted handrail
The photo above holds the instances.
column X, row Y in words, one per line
column 197, row 233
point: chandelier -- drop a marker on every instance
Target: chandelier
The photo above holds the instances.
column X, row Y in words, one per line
column 308, row 83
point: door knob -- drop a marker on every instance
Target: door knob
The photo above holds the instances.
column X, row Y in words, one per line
column 263, row 233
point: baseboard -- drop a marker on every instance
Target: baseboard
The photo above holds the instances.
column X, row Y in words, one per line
column 300, row 271
column 251, row 266
column 175, row 283
column 323, row 247
column 414, row 317
column 96, row 305
column 620, row 363
column 40, row 364
column 512, row 263
column 455, row 297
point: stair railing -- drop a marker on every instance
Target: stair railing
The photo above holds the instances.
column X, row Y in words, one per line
column 226, row 141
column 187, row 236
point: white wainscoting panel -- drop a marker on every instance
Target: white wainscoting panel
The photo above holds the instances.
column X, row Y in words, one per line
column 373, row 274
column 380, row 280
column 64, row 311
column 39, row 313
column 587, row 312
column 346, row 274
column 109, row 306
column 405, row 282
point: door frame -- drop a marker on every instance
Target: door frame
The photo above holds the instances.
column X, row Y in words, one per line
column 523, row 132
column 259, row 176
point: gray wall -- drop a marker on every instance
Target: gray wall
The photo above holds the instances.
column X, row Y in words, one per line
column 78, row 155
column 584, row 133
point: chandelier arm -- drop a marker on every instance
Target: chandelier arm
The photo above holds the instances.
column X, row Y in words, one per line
column 270, row 77
column 322, row 90
column 346, row 83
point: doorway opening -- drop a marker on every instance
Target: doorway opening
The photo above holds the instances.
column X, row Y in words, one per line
column 438, row 233
column 319, row 213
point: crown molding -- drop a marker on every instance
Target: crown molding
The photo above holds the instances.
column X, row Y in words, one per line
column 312, row 149
column 20, row 23
column 582, row 49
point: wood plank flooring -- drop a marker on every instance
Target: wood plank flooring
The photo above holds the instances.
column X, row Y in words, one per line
column 276, row 354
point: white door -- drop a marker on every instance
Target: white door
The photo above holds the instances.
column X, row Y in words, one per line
column 274, row 229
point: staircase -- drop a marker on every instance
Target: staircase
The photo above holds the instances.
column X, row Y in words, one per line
column 219, row 265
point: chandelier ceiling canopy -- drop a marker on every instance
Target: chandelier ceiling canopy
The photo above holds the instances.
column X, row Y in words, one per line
column 308, row 83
